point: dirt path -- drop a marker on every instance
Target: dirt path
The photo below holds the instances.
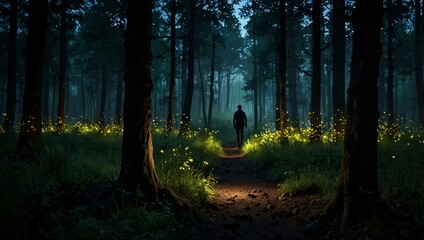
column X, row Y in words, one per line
column 247, row 207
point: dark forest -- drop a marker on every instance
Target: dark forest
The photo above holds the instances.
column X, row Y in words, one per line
column 220, row 119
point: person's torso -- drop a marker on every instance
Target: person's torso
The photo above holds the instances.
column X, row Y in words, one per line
column 239, row 117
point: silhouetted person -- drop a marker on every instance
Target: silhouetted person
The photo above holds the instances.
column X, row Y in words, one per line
column 239, row 122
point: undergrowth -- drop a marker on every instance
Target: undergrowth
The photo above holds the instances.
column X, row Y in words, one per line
column 303, row 167
column 75, row 163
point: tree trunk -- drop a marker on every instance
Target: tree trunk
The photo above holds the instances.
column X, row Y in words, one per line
column 282, row 71
column 82, row 94
column 53, row 98
column 46, row 91
column 315, row 117
column 277, row 93
column 219, row 102
column 3, row 87
column 202, row 90
column 30, row 145
column 382, row 86
column 184, row 66
column 292, row 69
column 170, row 119
column 118, row 106
column 329, row 96
column 186, row 114
column 101, row 117
column 418, row 64
column 137, row 166
column 62, row 65
column 255, row 82
column 9, row 120
column 358, row 188
column 390, row 74
column 211, row 91
column 339, row 52
column 227, row 100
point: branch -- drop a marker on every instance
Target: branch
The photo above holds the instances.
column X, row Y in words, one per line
column 326, row 46
column 161, row 54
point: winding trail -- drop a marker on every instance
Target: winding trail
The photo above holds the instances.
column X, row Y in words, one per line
column 246, row 206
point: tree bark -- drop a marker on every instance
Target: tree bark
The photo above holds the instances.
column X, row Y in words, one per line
column 82, row 89
column 418, row 64
column 211, row 90
column 9, row 120
column 358, row 188
column 390, row 74
column 382, row 86
column 219, row 98
column 62, row 65
column 281, row 117
column 339, row 52
column 186, row 113
column 30, row 144
column 46, row 91
column 101, row 117
column 184, row 66
column 170, row 117
column 227, row 99
column 118, row 106
column 292, row 68
column 314, row 115
column 137, row 166
column 202, row 90
column 255, row 80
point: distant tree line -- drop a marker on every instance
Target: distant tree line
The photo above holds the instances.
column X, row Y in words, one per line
column 292, row 66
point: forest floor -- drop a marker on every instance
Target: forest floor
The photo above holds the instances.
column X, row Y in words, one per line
column 247, row 206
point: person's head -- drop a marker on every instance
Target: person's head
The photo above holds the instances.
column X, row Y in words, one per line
column 239, row 107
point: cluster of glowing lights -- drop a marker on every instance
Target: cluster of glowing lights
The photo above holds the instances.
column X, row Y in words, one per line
column 83, row 128
column 402, row 130
column 180, row 155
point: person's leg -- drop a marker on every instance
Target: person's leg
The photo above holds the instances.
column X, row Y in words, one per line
column 238, row 135
column 241, row 135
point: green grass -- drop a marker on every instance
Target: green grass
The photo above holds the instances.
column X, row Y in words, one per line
column 302, row 168
column 181, row 161
column 305, row 167
column 79, row 159
column 129, row 223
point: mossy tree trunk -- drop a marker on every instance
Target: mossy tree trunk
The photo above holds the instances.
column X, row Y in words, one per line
column 358, row 187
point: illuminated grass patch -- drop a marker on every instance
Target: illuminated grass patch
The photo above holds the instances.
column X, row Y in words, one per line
column 303, row 167
column 181, row 163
